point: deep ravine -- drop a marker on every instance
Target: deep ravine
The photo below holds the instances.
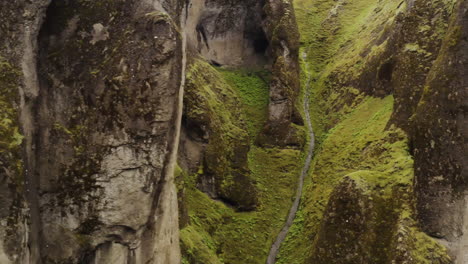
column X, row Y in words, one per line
column 310, row 151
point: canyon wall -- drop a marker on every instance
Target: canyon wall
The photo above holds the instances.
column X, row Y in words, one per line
column 97, row 137
column 95, row 97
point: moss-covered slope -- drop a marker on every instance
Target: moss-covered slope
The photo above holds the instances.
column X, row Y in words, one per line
column 370, row 60
column 360, row 196
column 213, row 118
column 234, row 102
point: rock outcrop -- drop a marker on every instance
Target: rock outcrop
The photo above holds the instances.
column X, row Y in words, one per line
column 255, row 34
column 98, row 110
column 283, row 115
column 92, row 110
column 228, row 33
column 216, row 142
column 411, row 51
column 439, row 135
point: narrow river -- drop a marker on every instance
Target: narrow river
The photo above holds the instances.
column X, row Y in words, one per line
column 310, row 151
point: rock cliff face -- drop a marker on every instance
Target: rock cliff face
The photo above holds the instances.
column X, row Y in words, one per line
column 90, row 118
column 97, row 136
column 283, row 116
column 228, row 32
column 440, row 146
column 95, row 97
column 409, row 50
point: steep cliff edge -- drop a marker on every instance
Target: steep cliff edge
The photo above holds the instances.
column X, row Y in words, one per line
column 367, row 200
column 92, row 93
column 97, row 96
column 439, row 135
column 97, row 136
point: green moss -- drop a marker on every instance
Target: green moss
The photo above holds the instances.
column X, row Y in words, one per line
column 10, row 136
column 83, row 240
column 414, row 47
column 339, row 42
column 343, row 39
column 330, row 27
column 339, row 155
column 253, row 91
column 213, row 106
column 215, row 228
column 361, row 148
column 11, row 162
column 160, row 17
column 424, row 249
column 198, row 246
column 454, row 36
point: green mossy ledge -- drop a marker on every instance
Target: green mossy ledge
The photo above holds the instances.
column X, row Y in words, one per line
column 358, row 205
column 236, row 101
column 212, row 108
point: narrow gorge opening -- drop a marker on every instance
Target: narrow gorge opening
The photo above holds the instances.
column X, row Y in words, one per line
column 231, row 38
column 307, row 132
column 230, row 35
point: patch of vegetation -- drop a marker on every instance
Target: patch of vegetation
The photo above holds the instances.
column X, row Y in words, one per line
column 253, row 91
column 215, row 229
column 335, row 54
column 212, row 108
column 216, row 232
column 375, row 158
column 343, row 40
column 11, row 162
column 10, row 136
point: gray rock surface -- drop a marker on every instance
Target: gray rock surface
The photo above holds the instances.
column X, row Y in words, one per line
column 228, row 33
column 99, row 105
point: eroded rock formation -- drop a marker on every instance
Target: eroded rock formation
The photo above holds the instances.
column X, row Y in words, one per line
column 97, row 136
column 92, row 110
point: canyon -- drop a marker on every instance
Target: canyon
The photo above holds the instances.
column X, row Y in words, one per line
column 222, row 131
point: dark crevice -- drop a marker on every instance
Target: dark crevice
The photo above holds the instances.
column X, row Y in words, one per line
column 386, row 71
column 260, row 43
column 201, row 32
column 215, row 63
column 53, row 11
column 229, row 203
column 32, row 145
column 194, row 130
column 87, row 257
